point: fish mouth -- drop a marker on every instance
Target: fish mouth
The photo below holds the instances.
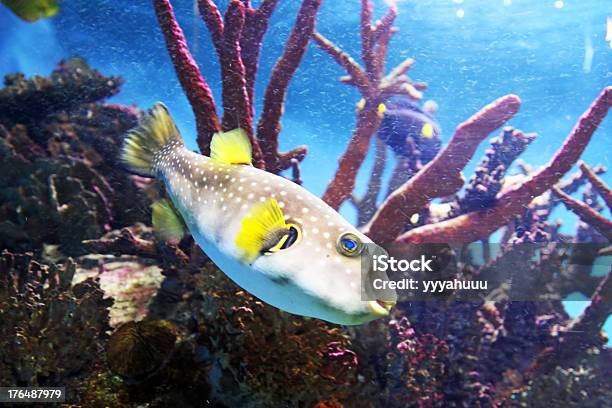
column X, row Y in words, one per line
column 380, row 307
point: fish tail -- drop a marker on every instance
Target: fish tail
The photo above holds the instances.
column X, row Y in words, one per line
column 142, row 144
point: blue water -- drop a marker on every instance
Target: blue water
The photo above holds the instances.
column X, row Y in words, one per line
column 553, row 54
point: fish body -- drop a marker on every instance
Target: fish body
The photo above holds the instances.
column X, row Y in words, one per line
column 271, row 236
column 403, row 119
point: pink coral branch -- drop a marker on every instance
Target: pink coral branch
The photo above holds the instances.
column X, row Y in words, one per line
column 255, row 26
column 479, row 224
column 442, row 176
column 601, row 187
column 269, row 125
column 586, row 213
column 352, row 67
column 367, row 45
column 400, row 70
column 343, row 183
column 236, row 113
column 374, row 88
column 580, row 334
column 384, row 26
column 227, row 34
column 191, row 80
column 380, row 38
column 595, row 315
column 212, row 17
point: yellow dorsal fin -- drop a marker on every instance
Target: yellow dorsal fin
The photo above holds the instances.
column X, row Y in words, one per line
column 262, row 222
column 233, row 147
column 167, row 221
column 427, row 131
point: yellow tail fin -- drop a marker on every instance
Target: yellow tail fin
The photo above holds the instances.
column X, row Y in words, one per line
column 144, row 142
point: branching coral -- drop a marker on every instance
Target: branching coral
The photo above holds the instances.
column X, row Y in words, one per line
column 442, row 176
column 374, row 86
column 479, row 224
column 61, row 186
column 237, row 37
column 453, row 354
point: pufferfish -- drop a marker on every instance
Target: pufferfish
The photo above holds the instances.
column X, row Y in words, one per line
column 272, row 237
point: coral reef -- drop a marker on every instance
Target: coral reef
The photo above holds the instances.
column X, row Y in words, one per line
column 61, row 182
column 52, row 332
column 185, row 335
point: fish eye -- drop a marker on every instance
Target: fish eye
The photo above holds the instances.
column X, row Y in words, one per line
column 349, row 244
column 288, row 239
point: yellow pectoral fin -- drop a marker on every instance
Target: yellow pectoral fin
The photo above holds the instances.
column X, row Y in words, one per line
column 233, row 147
column 262, row 220
column 167, row 222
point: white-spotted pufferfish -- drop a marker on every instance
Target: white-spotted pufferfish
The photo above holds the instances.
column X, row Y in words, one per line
column 271, row 236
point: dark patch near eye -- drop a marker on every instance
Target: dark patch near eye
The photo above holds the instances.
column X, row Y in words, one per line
column 272, row 243
column 273, row 238
column 293, row 236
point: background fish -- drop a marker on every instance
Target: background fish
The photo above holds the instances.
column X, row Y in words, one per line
column 271, row 236
column 403, row 119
